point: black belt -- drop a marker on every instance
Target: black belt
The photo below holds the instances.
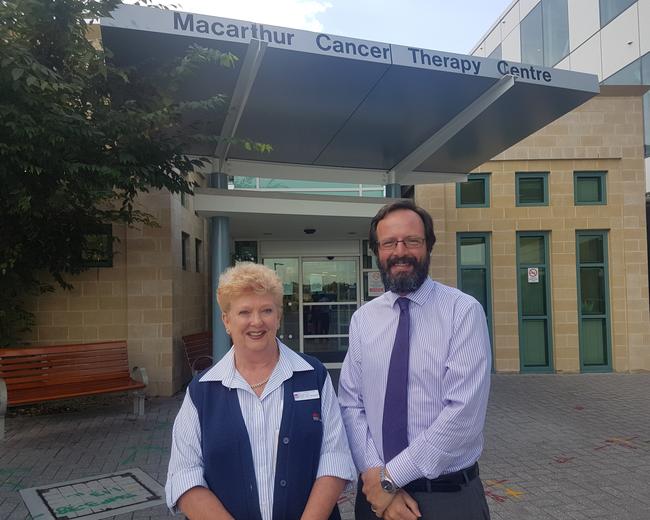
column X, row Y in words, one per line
column 447, row 483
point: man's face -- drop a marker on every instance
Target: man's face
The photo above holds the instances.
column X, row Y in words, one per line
column 403, row 269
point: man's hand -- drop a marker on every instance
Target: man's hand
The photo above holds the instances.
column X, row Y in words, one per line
column 378, row 498
column 403, row 507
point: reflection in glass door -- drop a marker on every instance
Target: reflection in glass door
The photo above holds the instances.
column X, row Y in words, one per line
column 287, row 269
column 329, row 297
column 534, row 302
column 320, row 296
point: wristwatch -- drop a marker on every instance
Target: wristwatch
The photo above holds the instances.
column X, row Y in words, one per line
column 386, row 482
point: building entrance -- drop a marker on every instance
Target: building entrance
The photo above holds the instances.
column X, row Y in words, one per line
column 320, row 294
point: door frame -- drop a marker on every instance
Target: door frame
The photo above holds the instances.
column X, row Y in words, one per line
column 548, row 303
column 300, row 258
column 488, row 273
column 607, row 316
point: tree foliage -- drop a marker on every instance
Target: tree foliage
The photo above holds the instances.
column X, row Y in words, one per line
column 79, row 139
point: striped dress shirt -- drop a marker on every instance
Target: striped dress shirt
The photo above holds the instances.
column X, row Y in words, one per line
column 449, row 382
column 262, row 416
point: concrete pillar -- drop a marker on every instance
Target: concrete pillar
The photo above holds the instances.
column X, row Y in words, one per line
column 220, row 261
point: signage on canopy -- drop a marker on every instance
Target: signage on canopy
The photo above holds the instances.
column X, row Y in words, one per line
column 225, row 29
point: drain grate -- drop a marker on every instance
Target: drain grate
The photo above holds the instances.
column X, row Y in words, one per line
column 93, row 498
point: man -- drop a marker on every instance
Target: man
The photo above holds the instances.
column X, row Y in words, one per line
column 414, row 384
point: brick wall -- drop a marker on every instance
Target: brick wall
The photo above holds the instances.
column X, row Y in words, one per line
column 605, row 134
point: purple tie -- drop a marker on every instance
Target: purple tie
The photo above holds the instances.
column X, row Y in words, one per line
column 394, row 429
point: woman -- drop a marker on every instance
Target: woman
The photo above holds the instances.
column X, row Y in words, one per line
column 259, row 435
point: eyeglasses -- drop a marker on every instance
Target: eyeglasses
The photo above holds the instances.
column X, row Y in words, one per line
column 409, row 243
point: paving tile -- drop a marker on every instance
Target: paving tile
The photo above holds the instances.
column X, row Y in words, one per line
column 557, row 447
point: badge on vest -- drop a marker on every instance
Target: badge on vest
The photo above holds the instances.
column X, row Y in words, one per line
column 306, row 395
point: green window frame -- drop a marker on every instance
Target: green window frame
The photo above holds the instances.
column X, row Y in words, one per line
column 579, row 179
column 531, row 176
column 97, row 249
column 531, row 313
column 475, row 181
column 478, row 266
column 594, row 323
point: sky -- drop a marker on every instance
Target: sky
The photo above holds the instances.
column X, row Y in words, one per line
column 444, row 25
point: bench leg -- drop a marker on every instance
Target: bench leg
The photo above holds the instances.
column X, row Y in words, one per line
column 138, row 403
column 3, row 407
column 139, row 374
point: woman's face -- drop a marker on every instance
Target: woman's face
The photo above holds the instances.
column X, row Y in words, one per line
column 253, row 320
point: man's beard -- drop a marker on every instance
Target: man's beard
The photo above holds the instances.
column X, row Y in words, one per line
column 404, row 282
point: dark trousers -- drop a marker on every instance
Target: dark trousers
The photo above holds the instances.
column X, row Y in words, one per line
column 467, row 504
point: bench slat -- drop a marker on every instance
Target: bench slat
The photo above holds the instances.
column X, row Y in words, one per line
column 81, row 347
column 198, row 350
column 36, row 374
column 66, row 391
column 34, row 365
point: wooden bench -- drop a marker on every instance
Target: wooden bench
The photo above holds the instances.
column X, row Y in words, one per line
column 30, row 375
column 198, row 350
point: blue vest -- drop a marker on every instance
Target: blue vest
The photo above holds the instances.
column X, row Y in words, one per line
column 227, row 456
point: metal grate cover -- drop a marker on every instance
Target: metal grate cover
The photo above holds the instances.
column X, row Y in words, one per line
column 92, row 498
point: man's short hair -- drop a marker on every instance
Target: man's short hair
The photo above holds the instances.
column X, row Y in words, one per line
column 429, row 235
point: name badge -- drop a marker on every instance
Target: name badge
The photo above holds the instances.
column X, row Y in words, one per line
column 306, row 395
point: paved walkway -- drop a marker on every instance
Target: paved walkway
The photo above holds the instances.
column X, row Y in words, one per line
column 557, row 447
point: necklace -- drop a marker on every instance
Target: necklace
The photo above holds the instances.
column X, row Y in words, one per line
column 257, row 385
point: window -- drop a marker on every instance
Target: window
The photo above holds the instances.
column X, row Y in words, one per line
column 185, row 250
column 532, row 41
column 97, row 250
column 496, row 54
column 198, row 254
column 628, row 75
column 475, row 193
column 306, row 186
column 544, row 33
column 645, row 72
column 590, row 188
column 555, row 29
column 532, row 189
column 646, row 121
column 245, row 251
column 610, row 9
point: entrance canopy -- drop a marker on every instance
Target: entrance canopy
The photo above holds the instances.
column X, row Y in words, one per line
column 345, row 110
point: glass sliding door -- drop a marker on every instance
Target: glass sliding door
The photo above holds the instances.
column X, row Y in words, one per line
column 473, row 268
column 288, row 271
column 593, row 301
column 533, row 287
column 330, row 294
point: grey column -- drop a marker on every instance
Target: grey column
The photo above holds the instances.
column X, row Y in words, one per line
column 220, row 246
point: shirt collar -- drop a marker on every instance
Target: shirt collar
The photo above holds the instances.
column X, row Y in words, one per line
column 419, row 296
column 226, row 372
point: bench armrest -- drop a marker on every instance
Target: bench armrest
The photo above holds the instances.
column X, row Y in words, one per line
column 140, row 374
column 194, row 371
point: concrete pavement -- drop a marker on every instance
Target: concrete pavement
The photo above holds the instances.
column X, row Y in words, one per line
column 557, row 447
